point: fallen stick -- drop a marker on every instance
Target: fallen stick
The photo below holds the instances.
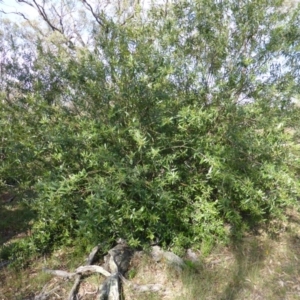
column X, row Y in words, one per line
column 45, row 295
column 60, row 273
column 73, row 292
column 79, row 271
column 94, row 269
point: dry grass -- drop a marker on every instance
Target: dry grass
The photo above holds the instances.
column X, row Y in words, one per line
column 143, row 270
column 258, row 267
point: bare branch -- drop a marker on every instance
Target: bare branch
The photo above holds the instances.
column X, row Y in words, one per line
column 60, row 17
column 42, row 13
column 130, row 17
column 90, row 8
column 43, row 295
column 24, row 1
column 15, row 13
column 25, row 18
column 59, row 273
column 92, row 268
column 79, row 37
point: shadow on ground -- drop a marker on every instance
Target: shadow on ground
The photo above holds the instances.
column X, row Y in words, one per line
column 249, row 255
column 285, row 281
column 256, row 268
column 15, row 218
column 226, row 274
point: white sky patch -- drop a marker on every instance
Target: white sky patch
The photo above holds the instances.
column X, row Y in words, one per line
column 111, row 8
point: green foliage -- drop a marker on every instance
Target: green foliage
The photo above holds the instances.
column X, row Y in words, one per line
column 164, row 131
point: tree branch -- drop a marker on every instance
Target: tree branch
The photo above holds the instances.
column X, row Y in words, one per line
column 60, row 17
column 90, row 8
column 25, row 18
column 42, row 13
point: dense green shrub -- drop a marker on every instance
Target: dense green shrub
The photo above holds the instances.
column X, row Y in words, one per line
column 164, row 131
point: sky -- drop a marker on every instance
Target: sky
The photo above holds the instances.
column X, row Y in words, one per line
column 12, row 5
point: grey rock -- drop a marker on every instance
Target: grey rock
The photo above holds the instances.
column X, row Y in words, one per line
column 191, row 255
column 173, row 259
column 157, row 254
